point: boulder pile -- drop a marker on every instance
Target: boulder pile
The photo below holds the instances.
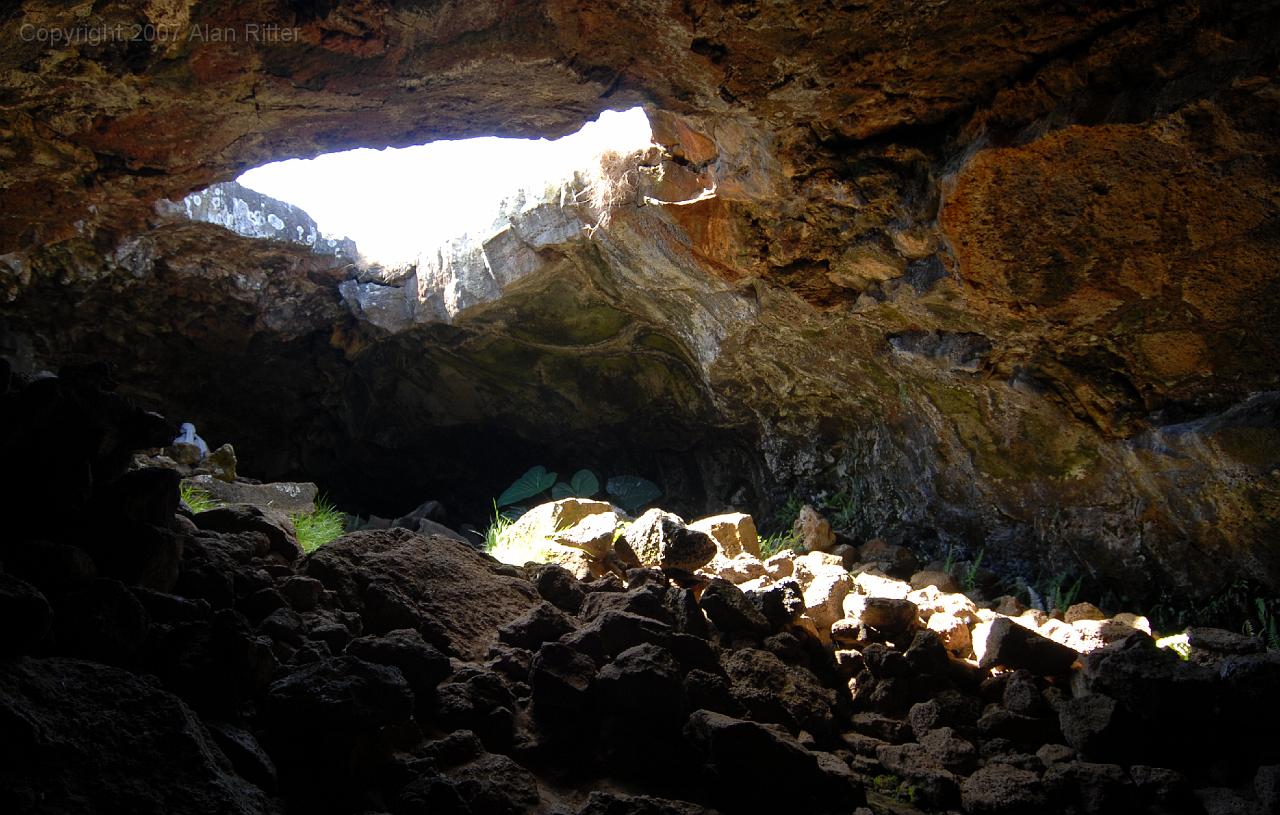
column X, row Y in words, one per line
column 153, row 661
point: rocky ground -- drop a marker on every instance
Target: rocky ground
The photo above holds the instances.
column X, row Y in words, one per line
column 160, row 661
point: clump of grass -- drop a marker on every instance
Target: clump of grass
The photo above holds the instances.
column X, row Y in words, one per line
column 1176, row 643
column 773, row 544
column 318, row 527
column 499, row 525
column 970, row 581
column 519, row 545
column 196, row 499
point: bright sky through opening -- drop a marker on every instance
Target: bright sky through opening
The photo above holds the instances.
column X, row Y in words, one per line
column 394, row 203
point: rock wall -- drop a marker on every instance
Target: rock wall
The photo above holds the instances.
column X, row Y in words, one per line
column 999, row 275
column 254, row 215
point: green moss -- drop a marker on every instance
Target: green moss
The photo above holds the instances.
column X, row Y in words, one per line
column 1042, row 447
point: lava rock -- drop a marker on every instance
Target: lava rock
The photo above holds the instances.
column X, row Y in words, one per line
column 1013, row 646
column 303, row 593
column 614, row 632
column 733, row 751
column 248, row 518
column 607, row 803
column 781, row 603
column 935, row 785
column 101, row 621
column 1096, row 788
column 25, row 615
column 338, row 695
column 480, row 701
column 122, row 744
column 776, row 692
column 542, row 623
column 422, row 665
column 731, row 612
column 558, row 586
column 662, row 540
column 1000, row 789
column 446, row 590
column 645, row 600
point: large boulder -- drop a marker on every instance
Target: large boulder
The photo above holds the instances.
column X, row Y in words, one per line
column 281, row 496
column 734, row 534
column 86, row 738
column 1004, row 642
column 774, row 691
column 272, row 523
column 454, row 595
column 25, row 615
column 736, row 752
column 339, row 695
column 576, row 523
column 660, row 539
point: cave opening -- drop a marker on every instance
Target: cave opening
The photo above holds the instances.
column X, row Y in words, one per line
column 397, row 203
column 495, row 320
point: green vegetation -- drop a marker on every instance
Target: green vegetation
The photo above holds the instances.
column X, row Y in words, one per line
column 196, row 499
column 788, row 513
column 1263, row 624
column 842, row 509
column 1243, row 605
column 970, row 581
column 318, row 527
column 1178, row 644
column 493, row 534
column 900, row 790
column 783, row 526
column 1058, row 595
column 775, row 543
column 630, row 492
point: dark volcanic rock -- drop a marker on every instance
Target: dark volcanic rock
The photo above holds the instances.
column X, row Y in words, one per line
column 421, row 664
column 733, row 752
column 25, row 615
column 399, row 579
column 731, row 611
column 338, row 695
column 999, row 789
column 83, row 737
column 1014, row 646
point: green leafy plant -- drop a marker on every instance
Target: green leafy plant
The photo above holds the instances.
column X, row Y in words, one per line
column 534, row 481
column 318, row 527
column 1178, row 644
column 970, row 580
column 1242, row 605
column 1060, row 595
column 950, row 562
column 773, row 544
column 1264, row 624
column 584, row 484
column 630, row 492
column 902, row 791
column 843, row 509
column 196, row 499
column 788, row 513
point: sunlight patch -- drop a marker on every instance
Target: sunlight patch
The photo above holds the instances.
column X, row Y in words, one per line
column 397, row 203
